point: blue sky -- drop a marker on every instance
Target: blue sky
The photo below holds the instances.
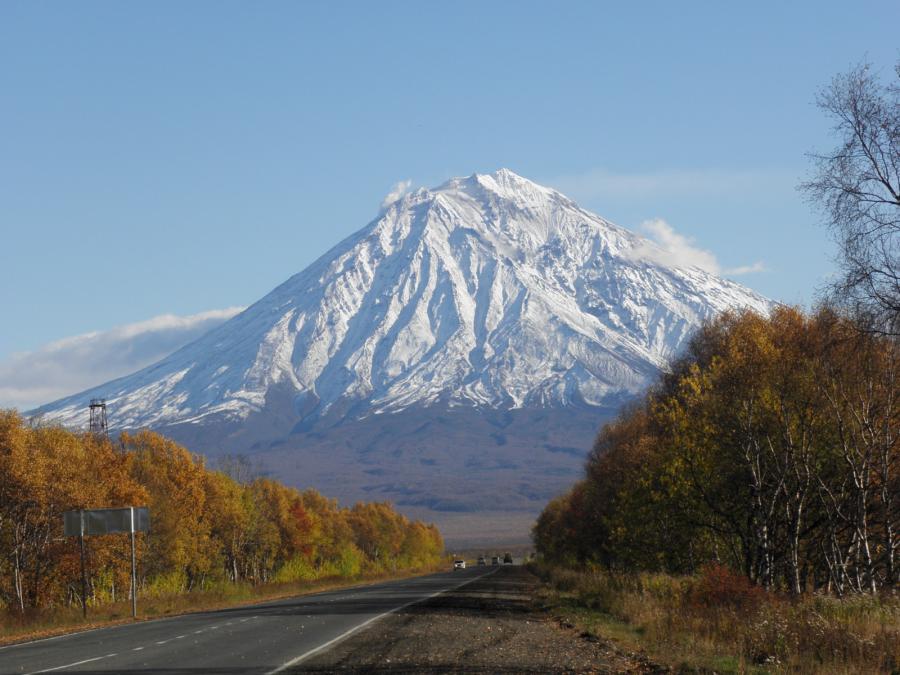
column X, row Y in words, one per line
column 176, row 158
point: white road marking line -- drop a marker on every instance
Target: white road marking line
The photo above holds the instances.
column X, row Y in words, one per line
column 178, row 637
column 137, row 649
column 76, row 633
column 162, row 642
column 326, row 645
column 68, row 665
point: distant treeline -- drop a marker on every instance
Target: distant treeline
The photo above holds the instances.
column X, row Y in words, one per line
column 206, row 527
column 772, row 445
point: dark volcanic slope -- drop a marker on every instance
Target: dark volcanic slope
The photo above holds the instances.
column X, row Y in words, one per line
column 438, row 463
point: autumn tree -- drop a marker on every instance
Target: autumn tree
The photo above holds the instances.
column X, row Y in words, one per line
column 44, row 472
column 206, row 526
column 771, row 446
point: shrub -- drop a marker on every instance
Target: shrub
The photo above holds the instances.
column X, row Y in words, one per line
column 171, row 583
column 720, row 586
column 296, row 569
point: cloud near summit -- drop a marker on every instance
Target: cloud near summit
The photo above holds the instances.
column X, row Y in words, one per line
column 668, row 247
column 72, row 364
column 399, row 189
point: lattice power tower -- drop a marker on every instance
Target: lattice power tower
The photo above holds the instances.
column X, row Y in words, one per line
column 98, row 417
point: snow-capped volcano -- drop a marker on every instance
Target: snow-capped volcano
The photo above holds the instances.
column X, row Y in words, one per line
column 487, row 291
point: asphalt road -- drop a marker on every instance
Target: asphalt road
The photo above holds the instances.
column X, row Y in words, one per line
column 260, row 639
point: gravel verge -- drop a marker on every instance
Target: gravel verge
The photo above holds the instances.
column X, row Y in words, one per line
column 492, row 625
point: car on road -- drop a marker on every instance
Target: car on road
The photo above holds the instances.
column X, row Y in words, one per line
column 481, row 560
column 507, row 559
column 495, row 560
column 459, row 564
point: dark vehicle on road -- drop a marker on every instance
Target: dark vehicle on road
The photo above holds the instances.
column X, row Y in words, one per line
column 481, row 560
column 495, row 560
column 507, row 559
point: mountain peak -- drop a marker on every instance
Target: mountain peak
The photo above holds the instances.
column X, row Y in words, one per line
column 509, row 185
column 489, row 290
column 503, row 183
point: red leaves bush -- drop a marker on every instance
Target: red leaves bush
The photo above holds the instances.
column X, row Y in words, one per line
column 720, row 586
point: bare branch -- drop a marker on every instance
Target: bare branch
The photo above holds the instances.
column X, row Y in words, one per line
column 857, row 188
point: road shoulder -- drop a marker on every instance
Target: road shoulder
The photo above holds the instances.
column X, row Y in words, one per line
column 490, row 625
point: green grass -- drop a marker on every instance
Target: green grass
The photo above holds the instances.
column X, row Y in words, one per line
column 681, row 654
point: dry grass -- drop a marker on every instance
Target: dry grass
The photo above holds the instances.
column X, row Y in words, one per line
column 719, row 622
column 39, row 623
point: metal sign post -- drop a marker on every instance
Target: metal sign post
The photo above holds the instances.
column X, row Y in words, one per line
column 83, row 573
column 130, row 519
column 133, row 569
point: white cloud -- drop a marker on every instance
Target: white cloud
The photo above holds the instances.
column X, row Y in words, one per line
column 672, row 249
column 73, row 364
column 668, row 247
column 758, row 266
column 400, row 188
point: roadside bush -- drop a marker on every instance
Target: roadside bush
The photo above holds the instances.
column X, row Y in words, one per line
column 349, row 564
column 164, row 584
column 296, row 569
column 719, row 586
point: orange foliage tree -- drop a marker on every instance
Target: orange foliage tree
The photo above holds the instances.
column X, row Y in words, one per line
column 206, row 527
column 771, row 446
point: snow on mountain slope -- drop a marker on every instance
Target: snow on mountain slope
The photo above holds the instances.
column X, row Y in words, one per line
column 489, row 291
